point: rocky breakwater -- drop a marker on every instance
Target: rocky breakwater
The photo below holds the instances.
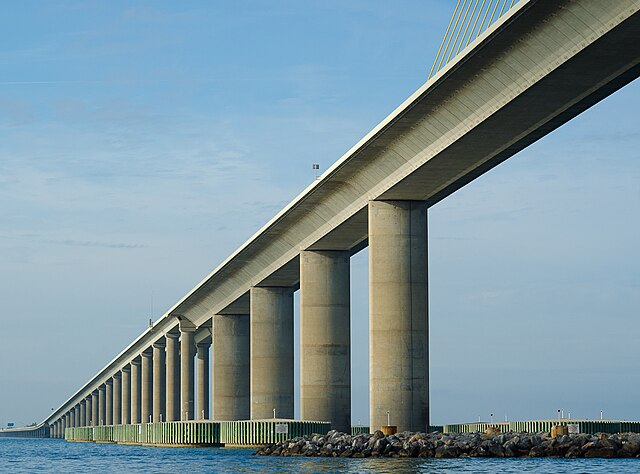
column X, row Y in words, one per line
column 438, row 445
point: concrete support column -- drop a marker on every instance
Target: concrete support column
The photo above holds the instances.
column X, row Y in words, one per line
column 95, row 410
column 173, row 377
column 72, row 418
column 230, row 380
column 187, row 350
column 83, row 413
column 117, row 398
column 63, row 425
column 398, row 315
column 76, row 416
column 136, row 391
column 125, row 415
column 202, row 369
column 146, row 389
column 109, row 403
column 271, row 341
column 159, row 381
column 102, row 405
column 325, row 357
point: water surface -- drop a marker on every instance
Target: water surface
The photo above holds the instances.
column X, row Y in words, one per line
column 56, row 456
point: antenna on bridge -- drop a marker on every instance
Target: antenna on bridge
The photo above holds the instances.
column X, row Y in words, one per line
column 316, row 168
column 151, row 315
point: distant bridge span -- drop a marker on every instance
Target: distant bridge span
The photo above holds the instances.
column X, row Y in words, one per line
column 537, row 67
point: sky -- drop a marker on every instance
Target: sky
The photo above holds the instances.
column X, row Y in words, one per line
column 143, row 142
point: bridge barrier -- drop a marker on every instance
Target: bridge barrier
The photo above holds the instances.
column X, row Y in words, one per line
column 359, row 429
column 362, row 429
column 80, row 434
column 258, row 432
column 583, row 426
column 199, row 433
column 176, row 433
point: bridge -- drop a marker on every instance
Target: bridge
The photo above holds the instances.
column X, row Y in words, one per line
column 494, row 90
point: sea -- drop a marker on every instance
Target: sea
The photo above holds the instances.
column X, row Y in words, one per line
column 59, row 456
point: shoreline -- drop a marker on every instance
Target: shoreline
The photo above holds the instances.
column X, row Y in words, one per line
column 456, row 445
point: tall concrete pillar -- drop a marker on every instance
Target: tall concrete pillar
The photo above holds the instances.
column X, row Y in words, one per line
column 117, row 398
column 325, row 357
column 202, row 369
column 136, row 391
column 271, row 341
column 125, row 416
column 95, row 408
column 63, row 425
column 173, row 377
column 146, row 387
column 76, row 416
column 83, row 413
column 187, row 349
column 159, row 381
column 72, row 418
column 109, row 403
column 102, row 405
column 230, row 375
column 398, row 315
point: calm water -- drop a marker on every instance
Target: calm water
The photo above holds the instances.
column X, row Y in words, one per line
column 51, row 455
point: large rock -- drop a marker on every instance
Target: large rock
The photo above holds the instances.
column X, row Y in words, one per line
column 336, row 444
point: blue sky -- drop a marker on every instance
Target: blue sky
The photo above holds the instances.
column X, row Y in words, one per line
column 142, row 142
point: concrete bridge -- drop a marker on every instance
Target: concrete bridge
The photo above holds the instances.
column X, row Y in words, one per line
column 41, row 430
column 539, row 65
